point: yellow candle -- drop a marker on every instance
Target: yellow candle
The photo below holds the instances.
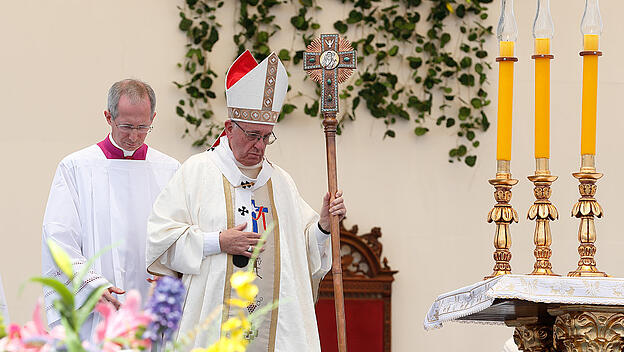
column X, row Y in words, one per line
column 590, row 96
column 542, row 99
column 590, row 42
column 542, row 46
column 505, row 102
column 506, row 48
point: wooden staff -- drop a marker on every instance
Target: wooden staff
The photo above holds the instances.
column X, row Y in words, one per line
column 330, row 60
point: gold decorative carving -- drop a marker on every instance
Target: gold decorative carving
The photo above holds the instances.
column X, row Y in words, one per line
column 586, row 209
column 534, row 338
column 589, row 328
column 503, row 215
column 542, row 211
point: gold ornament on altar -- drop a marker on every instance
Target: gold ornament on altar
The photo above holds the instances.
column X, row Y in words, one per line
column 503, row 215
column 542, row 211
column 586, row 209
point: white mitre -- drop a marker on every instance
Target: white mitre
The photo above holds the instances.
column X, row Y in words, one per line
column 255, row 92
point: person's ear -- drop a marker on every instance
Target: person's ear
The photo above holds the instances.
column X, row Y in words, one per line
column 109, row 118
column 228, row 127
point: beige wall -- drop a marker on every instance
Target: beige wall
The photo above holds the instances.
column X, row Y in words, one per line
column 58, row 59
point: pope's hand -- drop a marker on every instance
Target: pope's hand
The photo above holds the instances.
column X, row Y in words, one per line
column 337, row 208
column 107, row 296
column 235, row 241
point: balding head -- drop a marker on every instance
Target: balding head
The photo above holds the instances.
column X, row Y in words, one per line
column 136, row 91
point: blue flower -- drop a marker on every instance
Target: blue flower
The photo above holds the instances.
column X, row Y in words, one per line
column 165, row 305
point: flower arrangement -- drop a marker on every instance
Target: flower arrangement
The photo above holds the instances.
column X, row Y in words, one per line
column 129, row 327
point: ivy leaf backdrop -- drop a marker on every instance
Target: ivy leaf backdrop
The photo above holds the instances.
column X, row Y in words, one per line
column 419, row 61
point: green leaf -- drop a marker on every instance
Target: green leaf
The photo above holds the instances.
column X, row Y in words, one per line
column 444, row 39
column 414, row 62
column 476, row 103
column 450, row 122
column 67, row 298
column 61, row 258
column 288, row 108
column 467, row 80
column 464, row 112
column 284, row 55
column 85, row 268
column 263, row 37
column 419, row 131
column 354, row 17
column 393, row 51
column 465, row 62
column 460, row 11
column 462, row 150
column 185, row 24
column 87, row 307
column 389, row 133
column 471, row 160
column 341, row 27
column 206, row 82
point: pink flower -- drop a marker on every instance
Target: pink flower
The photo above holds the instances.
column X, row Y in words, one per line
column 121, row 324
column 32, row 337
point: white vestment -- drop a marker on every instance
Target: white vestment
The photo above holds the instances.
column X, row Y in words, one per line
column 95, row 202
column 4, row 306
column 195, row 203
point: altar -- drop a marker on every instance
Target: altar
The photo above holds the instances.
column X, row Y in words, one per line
column 549, row 313
column 583, row 311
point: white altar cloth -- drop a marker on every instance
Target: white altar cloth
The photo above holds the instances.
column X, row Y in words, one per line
column 540, row 289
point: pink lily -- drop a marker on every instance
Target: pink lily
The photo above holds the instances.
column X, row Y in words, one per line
column 32, row 337
column 121, row 324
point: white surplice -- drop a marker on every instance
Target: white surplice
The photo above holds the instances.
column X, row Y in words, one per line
column 194, row 204
column 4, row 306
column 95, row 202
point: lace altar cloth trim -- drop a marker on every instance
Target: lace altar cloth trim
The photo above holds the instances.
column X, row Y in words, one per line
column 540, row 289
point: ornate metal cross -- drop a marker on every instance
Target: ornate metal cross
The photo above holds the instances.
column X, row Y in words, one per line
column 329, row 60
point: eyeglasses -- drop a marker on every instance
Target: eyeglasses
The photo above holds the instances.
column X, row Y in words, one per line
column 268, row 139
column 140, row 129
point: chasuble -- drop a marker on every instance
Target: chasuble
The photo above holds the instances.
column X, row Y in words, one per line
column 98, row 199
column 211, row 193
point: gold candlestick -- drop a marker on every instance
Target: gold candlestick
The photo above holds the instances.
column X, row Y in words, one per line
column 585, row 209
column 542, row 211
column 503, row 215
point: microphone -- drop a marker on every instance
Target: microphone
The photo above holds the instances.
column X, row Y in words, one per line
column 240, row 261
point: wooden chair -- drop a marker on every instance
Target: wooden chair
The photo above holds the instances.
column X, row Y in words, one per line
column 368, row 293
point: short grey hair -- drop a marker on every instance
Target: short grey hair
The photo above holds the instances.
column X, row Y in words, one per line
column 135, row 90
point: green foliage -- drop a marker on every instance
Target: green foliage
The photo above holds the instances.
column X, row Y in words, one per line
column 198, row 22
column 410, row 67
column 2, row 327
column 72, row 319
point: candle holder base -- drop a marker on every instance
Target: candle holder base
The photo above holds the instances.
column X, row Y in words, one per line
column 542, row 211
column 586, row 209
column 503, row 215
